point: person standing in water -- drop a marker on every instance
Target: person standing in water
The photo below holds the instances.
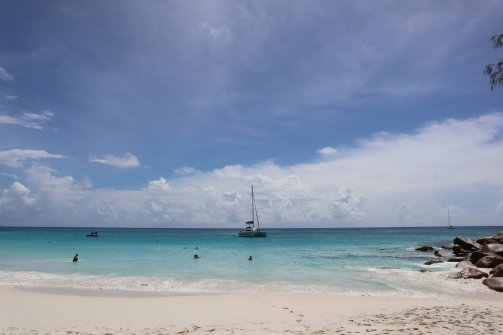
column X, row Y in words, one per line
column 76, row 258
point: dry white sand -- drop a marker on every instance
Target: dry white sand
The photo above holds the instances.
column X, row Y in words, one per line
column 86, row 312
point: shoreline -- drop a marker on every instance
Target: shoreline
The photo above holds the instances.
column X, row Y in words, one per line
column 430, row 281
column 33, row 311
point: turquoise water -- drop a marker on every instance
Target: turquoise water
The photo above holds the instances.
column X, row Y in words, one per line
column 378, row 261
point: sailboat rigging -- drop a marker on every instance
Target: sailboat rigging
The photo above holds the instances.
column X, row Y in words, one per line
column 250, row 230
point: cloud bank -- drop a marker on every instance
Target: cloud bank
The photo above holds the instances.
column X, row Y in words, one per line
column 4, row 75
column 28, row 120
column 15, row 157
column 327, row 151
column 407, row 179
column 124, row 162
column 185, row 170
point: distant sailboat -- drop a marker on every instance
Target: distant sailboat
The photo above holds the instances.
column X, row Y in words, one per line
column 450, row 226
column 250, row 229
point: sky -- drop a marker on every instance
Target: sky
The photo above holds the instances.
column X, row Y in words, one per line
column 163, row 113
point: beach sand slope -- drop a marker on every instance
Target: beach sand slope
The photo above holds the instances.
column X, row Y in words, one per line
column 36, row 311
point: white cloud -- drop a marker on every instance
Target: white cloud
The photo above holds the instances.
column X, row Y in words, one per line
column 4, row 75
column 229, row 171
column 15, row 157
column 44, row 180
column 17, row 203
column 11, row 97
column 161, row 184
column 327, row 151
column 232, row 197
column 219, row 33
column 386, row 180
column 185, row 170
column 19, row 191
column 8, row 175
column 125, row 162
column 28, row 120
column 347, row 205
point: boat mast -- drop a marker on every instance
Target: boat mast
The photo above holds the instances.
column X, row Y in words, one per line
column 449, row 217
column 256, row 213
column 253, row 207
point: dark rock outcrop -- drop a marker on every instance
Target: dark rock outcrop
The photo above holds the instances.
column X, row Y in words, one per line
column 486, row 240
column 497, row 272
column 467, row 244
column 448, row 246
column 456, row 259
column 425, row 248
column 466, row 264
column 498, row 238
column 470, row 273
column 489, row 261
column 496, row 248
column 496, row 268
column 494, row 283
column 443, row 253
column 476, row 255
column 472, row 257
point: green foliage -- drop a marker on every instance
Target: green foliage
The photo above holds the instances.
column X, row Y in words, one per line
column 495, row 71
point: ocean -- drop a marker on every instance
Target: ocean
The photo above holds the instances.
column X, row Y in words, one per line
column 363, row 261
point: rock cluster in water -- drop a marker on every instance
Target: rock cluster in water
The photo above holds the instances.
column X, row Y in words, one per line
column 472, row 256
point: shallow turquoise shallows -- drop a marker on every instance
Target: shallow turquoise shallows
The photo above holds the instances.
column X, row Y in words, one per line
column 379, row 261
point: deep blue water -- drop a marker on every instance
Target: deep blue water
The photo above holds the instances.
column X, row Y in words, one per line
column 363, row 260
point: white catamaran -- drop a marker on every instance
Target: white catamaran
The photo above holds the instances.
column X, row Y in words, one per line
column 250, row 229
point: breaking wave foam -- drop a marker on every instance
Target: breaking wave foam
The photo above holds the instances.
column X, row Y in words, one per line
column 381, row 282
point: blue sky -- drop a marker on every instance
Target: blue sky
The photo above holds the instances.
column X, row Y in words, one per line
column 162, row 113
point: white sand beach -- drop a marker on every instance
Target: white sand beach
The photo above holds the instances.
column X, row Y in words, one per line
column 32, row 311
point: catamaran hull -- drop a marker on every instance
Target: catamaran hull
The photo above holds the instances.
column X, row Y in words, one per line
column 252, row 234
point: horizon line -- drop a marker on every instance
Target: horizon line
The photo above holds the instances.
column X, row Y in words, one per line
column 229, row 228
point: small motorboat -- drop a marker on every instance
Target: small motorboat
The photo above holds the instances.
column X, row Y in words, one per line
column 93, row 234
